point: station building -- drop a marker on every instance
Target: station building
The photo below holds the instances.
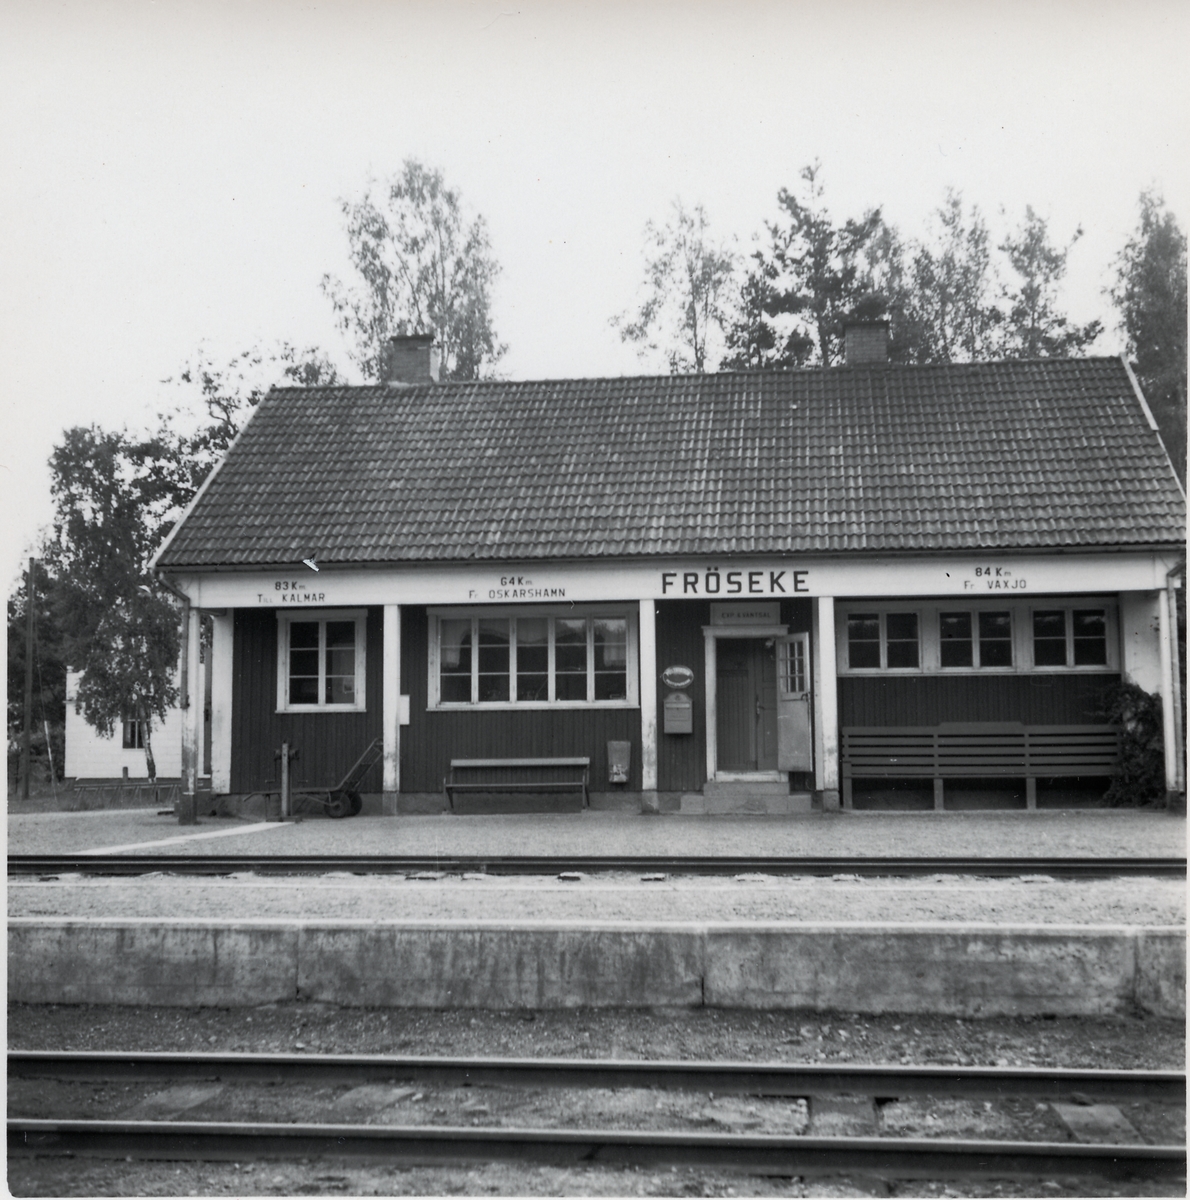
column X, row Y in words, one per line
column 713, row 588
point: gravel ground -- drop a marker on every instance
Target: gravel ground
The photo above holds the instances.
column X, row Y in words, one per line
column 1023, row 901
column 1103, row 833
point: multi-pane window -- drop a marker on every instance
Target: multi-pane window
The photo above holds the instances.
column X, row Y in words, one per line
column 134, row 735
column 1069, row 637
column 975, row 639
column 533, row 660
column 929, row 635
column 883, row 639
column 321, row 661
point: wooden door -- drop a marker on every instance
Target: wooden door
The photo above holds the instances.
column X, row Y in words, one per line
column 795, row 745
column 746, row 704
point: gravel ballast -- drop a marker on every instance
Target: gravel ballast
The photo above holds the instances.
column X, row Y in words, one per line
column 1029, row 900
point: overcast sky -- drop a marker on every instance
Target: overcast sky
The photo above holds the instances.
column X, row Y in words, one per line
column 170, row 172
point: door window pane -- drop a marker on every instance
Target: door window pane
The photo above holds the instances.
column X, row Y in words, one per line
column 1090, row 637
column 955, row 639
column 1049, row 638
column 532, row 658
column 863, row 640
column 795, row 681
column 493, row 659
column 610, row 639
column 570, row 659
column 995, row 639
column 455, row 658
column 901, row 629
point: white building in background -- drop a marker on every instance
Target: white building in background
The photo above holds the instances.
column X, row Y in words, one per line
column 89, row 755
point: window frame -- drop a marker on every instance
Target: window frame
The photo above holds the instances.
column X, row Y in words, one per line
column 136, row 728
column 1068, row 609
column 881, row 611
column 1021, row 611
column 584, row 612
column 322, row 615
column 976, row 666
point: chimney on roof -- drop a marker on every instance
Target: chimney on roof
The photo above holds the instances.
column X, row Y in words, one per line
column 865, row 342
column 410, row 358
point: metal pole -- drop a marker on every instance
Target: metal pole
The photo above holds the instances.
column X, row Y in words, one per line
column 28, row 730
column 284, row 780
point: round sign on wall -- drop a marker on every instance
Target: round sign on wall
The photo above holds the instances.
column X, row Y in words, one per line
column 677, row 677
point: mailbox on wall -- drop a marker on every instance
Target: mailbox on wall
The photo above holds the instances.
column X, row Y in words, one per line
column 679, row 713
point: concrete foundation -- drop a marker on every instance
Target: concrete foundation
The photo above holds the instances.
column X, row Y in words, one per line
column 976, row 970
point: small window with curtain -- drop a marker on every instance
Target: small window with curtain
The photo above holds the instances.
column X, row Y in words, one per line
column 321, row 661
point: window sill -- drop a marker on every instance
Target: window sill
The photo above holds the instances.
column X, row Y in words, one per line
column 323, row 708
column 530, row 705
column 870, row 672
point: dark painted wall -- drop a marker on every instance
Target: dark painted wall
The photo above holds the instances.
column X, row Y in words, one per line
column 931, row 699
column 432, row 739
column 327, row 743
column 682, row 758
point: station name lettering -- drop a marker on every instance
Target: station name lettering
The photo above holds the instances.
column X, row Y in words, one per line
column 733, row 583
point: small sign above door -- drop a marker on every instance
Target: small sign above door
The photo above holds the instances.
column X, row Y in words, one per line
column 746, row 613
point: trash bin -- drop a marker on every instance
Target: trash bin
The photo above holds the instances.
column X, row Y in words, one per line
column 619, row 761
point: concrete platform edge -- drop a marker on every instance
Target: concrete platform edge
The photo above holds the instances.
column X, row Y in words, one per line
column 943, row 967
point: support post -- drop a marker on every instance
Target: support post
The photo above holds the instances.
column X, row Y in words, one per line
column 222, row 641
column 648, row 705
column 391, row 708
column 191, row 713
column 826, row 707
column 27, row 732
column 1175, row 679
column 1168, row 717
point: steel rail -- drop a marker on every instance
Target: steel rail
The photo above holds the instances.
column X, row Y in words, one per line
column 394, row 864
column 763, row 1079
column 754, row 1153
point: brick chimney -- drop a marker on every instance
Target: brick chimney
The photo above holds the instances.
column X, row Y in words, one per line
column 865, row 342
column 410, row 358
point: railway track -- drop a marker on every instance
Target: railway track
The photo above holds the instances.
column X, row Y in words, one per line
column 143, row 864
column 935, row 1158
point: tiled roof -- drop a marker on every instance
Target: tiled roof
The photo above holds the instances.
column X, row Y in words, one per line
column 1011, row 455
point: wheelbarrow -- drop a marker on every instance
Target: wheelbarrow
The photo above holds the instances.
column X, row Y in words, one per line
column 343, row 799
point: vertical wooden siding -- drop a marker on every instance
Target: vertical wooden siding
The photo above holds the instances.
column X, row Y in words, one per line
column 432, row 739
column 682, row 757
column 931, row 699
column 327, row 743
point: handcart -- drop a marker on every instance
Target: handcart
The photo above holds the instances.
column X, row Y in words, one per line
column 343, row 799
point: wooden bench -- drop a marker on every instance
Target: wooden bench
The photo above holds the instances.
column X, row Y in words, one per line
column 977, row 750
column 532, row 776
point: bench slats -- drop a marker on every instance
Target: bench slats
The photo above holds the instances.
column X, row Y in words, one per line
column 975, row 750
column 507, row 776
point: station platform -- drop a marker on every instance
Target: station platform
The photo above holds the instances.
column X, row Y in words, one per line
column 962, row 945
column 1071, row 833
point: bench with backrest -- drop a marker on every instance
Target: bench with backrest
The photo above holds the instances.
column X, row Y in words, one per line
column 517, row 776
column 977, row 750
